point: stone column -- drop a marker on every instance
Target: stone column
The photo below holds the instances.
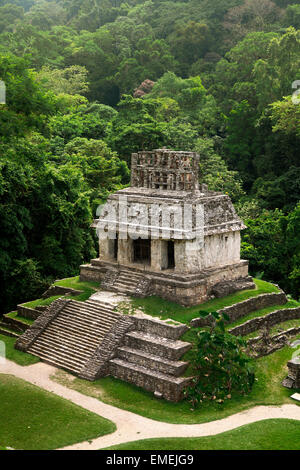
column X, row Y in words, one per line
column 159, row 255
column 106, row 249
column 125, row 251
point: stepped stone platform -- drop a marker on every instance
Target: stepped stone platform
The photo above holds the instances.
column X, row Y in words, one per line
column 186, row 288
column 91, row 340
column 241, row 309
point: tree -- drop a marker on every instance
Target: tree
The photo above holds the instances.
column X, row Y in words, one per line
column 285, row 117
column 189, row 43
column 252, row 15
column 292, row 16
column 70, row 80
column 274, row 75
column 270, row 245
column 9, row 15
column 25, row 101
column 214, row 171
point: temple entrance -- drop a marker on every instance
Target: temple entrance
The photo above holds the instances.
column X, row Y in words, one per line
column 142, row 251
column 116, row 246
column 171, row 255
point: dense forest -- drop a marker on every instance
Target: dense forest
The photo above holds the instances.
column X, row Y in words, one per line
column 88, row 82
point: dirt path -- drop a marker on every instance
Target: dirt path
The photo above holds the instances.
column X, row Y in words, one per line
column 132, row 427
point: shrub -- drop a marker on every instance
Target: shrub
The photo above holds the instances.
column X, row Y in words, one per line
column 220, row 364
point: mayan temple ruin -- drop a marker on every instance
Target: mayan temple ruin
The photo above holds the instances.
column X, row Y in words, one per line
column 183, row 245
column 166, row 236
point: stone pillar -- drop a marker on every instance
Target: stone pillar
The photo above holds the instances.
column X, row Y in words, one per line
column 159, row 255
column 125, row 251
column 106, row 249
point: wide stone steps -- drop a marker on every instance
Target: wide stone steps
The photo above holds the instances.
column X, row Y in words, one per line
column 72, row 337
column 168, row 386
column 71, row 327
column 63, row 349
column 57, row 337
column 150, row 361
column 63, row 362
column 156, row 345
column 90, row 323
column 91, row 310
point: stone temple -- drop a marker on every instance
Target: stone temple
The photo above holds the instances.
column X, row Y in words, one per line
column 167, row 236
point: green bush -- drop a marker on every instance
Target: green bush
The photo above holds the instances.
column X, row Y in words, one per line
column 221, row 367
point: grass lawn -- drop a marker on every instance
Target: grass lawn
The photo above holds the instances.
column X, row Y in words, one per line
column 271, row 434
column 267, row 390
column 21, row 358
column 164, row 309
column 87, row 287
column 41, row 302
column 35, row 419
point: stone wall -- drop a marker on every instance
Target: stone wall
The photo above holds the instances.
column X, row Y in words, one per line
column 165, row 169
column 224, row 288
column 287, row 334
column 273, row 318
column 221, row 249
column 28, row 312
column 293, row 378
column 241, row 309
column 15, row 323
column 158, row 327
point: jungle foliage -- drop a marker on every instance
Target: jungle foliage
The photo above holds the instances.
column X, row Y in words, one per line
column 217, row 79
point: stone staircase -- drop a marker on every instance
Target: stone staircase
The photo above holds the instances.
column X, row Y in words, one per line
column 151, row 361
column 74, row 334
column 91, row 340
column 127, row 282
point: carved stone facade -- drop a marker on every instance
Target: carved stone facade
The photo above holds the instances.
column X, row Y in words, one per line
column 184, row 238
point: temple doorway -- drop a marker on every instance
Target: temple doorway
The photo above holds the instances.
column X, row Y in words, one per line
column 116, row 246
column 171, row 255
column 142, row 251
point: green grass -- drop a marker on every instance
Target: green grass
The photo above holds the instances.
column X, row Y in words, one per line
column 88, row 288
column 75, row 283
column 155, row 306
column 267, row 390
column 21, row 358
column 35, row 419
column 270, row 434
column 41, row 302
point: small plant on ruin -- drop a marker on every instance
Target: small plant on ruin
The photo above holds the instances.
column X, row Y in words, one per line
column 221, row 366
